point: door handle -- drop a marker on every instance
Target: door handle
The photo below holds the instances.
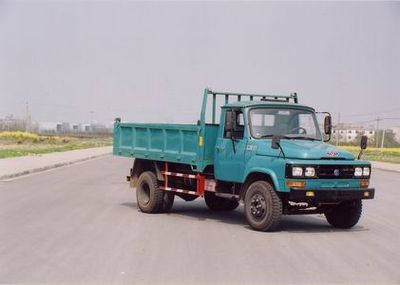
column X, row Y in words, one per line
column 220, row 148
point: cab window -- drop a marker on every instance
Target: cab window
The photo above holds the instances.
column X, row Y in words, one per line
column 237, row 131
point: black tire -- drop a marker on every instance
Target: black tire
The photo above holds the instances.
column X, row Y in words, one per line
column 231, row 205
column 345, row 215
column 262, row 206
column 216, row 203
column 148, row 196
column 168, row 201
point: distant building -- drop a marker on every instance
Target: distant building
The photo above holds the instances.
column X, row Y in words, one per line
column 349, row 133
column 47, row 127
column 11, row 123
column 54, row 127
column 77, row 127
column 86, row 128
column 66, row 127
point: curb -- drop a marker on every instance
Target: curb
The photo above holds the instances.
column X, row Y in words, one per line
column 48, row 167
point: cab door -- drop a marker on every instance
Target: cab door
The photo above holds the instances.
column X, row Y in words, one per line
column 230, row 148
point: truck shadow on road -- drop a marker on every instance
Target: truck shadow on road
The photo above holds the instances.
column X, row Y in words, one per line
column 293, row 224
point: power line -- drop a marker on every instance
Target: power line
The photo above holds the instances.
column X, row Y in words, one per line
column 364, row 122
column 373, row 113
column 374, row 120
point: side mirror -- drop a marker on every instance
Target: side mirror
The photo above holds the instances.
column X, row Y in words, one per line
column 363, row 145
column 364, row 142
column 328, row 125
column 275, row 142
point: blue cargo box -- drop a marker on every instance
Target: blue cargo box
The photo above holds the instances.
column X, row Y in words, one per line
column 180, row 143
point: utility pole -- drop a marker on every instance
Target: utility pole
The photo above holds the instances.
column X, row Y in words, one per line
column 377, row 131
column 28, row 117
column 383, row 139
column 91, row 121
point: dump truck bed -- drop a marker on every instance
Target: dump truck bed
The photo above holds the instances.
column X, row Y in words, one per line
column 180, row 143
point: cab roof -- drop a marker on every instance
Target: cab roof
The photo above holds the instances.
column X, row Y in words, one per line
column 246, row 104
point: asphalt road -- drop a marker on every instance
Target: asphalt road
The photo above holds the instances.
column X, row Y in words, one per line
column 80, row 224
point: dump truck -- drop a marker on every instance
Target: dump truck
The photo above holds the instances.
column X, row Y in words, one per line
column 264, row 151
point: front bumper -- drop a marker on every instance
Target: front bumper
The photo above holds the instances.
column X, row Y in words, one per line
column 337, row 195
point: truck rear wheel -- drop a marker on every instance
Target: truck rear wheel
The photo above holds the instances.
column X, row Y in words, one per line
column 216, row 203
column 148, row 196
column 345, row 215
column 262, row 206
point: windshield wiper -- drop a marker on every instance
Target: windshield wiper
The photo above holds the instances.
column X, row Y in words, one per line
column 299, row 138
column 265, row 136
column 290, row 137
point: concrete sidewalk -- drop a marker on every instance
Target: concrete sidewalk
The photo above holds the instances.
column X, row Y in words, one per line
column 394, row 167
column 17, row 166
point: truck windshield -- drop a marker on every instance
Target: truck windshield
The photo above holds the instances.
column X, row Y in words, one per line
column 288, row 123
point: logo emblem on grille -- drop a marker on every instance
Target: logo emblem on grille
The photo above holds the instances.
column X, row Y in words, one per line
column 332, row 153
column 336, row 172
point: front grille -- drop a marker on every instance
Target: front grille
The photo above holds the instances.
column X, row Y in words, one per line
column 325, row 171
column 335, row 171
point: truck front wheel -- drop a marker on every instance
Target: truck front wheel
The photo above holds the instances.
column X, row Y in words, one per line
column 345, row 215
column 148, row 196
column 216, row 203
column 262, row 206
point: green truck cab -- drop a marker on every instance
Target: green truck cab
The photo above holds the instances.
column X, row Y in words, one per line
column 266, row 151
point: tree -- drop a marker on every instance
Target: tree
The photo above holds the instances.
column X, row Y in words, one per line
column 389, row 140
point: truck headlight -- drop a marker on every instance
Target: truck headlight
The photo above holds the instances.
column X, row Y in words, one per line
column 309, row 172
column 297, row 171
column 358, row 171
column 366, row 171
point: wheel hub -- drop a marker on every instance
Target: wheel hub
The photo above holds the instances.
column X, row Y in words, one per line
column 258, row 206
column 145, row 193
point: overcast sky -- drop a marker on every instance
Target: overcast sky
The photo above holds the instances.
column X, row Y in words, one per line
column 151, row 61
